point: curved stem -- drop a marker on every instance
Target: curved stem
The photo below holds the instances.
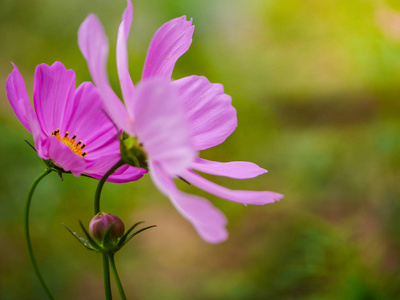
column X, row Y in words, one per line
column 107, row 283
column 116, row 277
column 101, row 183
column 27, row 236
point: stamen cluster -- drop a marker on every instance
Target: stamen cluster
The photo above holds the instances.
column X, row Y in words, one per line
column 76, row 147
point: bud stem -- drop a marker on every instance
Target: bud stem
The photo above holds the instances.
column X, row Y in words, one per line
column 27, row 236
column 116, row 277
column 106, row 267
column 101, row 183
column 107, row 283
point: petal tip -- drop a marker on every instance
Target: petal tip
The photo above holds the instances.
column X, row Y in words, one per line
column 184, row 21
column 58, row 64
column 271, row 197
column 217, row 240
column 90, row 18
column 76, row 173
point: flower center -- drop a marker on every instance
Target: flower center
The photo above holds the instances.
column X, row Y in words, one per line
column 132, row 152
column 72, row 143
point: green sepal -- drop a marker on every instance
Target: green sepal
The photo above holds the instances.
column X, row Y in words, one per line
column 34, row 149
column 108, row 243
column 80, row 239
column 137, row 232
column 51, row 165
column 90, row 239
column 184, row 180
column 127, row 236
column 121, row 241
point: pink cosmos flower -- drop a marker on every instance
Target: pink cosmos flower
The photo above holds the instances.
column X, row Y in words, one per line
column 68, row 126
column 172, row 122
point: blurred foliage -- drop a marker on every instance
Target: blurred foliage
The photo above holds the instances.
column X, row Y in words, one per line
column 316, row 85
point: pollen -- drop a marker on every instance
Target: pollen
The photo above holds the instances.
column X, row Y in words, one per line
column 76, row 146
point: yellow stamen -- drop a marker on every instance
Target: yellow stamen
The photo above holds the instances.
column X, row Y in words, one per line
column 70, row 142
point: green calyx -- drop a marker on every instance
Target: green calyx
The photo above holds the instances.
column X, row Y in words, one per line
column 52, row 166
column 132, row 152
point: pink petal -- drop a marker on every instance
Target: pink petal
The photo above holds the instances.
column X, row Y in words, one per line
column 63, row 156
column 233, row 169
column 126, row 174
column 244, row 197
column 169, row 42
column 210, row 113
column 208, row 221
column 122, row 55
column 38, row 136
column 123, row 174
column 53, row 96
column 106, row 146
column 18, row 98
column 90, row 123
column 41, row 145
column 93, row 44
column 101, row 166
column 161, row 125
column 94, row 47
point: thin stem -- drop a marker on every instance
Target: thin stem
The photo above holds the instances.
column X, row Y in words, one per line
column 27, row 236
column 116, row 277
column 101, row 183
column 107, row 283
column 106, row 266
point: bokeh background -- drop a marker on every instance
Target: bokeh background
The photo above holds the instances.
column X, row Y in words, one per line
column 317, row 87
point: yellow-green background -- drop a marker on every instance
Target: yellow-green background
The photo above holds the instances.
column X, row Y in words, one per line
column 316, row 84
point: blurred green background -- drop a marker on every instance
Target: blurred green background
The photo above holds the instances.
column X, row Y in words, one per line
column 316, row 85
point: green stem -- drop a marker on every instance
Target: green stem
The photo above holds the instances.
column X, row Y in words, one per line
column 101, row 183
column 106, row 266
column 27, row 236
column 116, row 277
column 107, row 283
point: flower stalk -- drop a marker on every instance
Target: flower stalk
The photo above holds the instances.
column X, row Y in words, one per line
column 101, row 183
column 116, row 277
column 107, row 282
column 106, row 266
column 108, row 254
column 27, row 235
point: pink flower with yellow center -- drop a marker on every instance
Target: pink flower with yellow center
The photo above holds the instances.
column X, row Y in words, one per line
column 68, row 126
column 172, row 121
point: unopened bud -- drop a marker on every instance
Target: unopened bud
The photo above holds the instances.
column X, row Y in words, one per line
column 101, row 222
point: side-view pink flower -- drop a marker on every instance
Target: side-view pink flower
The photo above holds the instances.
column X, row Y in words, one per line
column 68, row 126
column 172, row 121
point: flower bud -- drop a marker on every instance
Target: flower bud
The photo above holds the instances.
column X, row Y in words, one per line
column 101, row 222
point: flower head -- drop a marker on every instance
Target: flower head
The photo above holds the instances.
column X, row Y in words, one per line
column 172, row 121
column 69, row 126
